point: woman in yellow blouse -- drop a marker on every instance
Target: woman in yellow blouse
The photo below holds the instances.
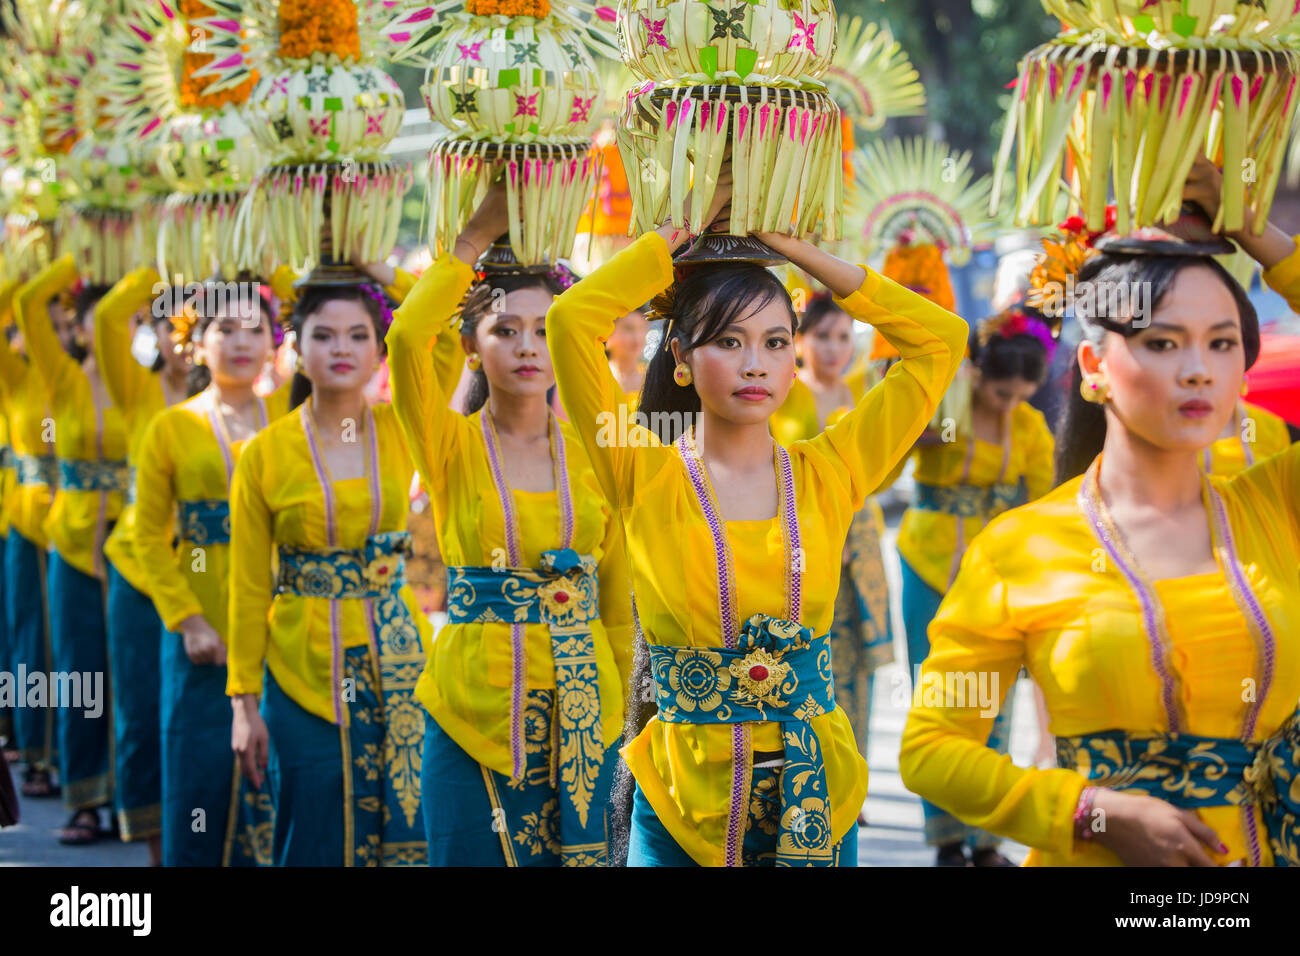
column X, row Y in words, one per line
column 185, row 462
column 1158, row 608
column 321, row 496
column 822, row 394
column 966, row 475
column 734, row 541
column 90, row 443
column 26, row 503
column 138, row 393
column 526, row 683
column 624, row 348
column 1252, row 434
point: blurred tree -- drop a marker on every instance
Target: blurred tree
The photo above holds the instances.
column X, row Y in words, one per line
column 966, row 52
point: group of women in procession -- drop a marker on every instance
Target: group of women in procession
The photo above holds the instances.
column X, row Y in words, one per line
column 658, row 648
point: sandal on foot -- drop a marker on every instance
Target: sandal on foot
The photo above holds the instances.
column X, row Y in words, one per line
column 81, row 829
column 37, row 784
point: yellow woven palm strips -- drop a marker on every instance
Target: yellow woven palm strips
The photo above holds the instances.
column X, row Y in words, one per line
column 1133, row 121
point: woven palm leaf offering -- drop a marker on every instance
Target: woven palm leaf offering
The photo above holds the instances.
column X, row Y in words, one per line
column 742, row 81
column 323, row 111
column 197, row 141
column 1133, row 91
column 41, row 60
column 515, row 84
column 605, row 226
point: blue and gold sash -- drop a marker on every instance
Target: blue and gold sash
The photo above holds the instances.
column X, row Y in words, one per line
column 204, row 522
column 971, row 501
column 563, row 594
column 777, row 672
column 37, row 470
column 375, row 571
column 1192, row 772
column 81, row 474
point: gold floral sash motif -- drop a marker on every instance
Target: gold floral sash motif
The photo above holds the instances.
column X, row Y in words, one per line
column 564, row 595
column 1191, row 772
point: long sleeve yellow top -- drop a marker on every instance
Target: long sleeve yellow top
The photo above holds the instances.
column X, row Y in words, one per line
column 276, row 500
column 467, row 680
column 84, row 428
column 181, row 460
column 8, row 480
column 1031, row 592
column 137, row 393
column 927, row 540
column 1260, row 435
column 684, row 769
column 30, row 425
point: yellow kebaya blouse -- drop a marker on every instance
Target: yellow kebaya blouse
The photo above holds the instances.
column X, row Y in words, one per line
column 1032, row 591
column 684, row 769
column 8, row 479
column 1267, row 436
column 181, row 460
column 467, row 681
column 84, row 429
column 30, row 422
column 927, row 540
column 137, row 393
column 796, row 419
column 277, row 500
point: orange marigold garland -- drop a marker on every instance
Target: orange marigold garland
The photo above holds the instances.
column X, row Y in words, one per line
column 319, row 26
column 192, row 95
column 1063, row 258
column 508, row 8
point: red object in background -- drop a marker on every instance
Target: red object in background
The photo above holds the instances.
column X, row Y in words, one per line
column 1275, row 379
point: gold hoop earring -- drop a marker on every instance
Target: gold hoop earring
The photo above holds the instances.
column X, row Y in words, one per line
column 474, row 362
column 1094, row 389
column 682, row 374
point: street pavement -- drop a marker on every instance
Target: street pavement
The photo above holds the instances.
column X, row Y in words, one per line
column 892, row 837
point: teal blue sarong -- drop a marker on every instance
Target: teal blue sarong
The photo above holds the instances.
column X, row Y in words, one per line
column 348, row 794
column 920, row 604
column 777, row 672
column 79, row 640
column 133, row 630
column 1191, row 772
column 31, row 652
column 557, row 806
column 211, row 815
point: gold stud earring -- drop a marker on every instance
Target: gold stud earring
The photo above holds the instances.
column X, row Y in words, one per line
column 474, row 362
column 298, row 366
column 1094, row 389
column 682, row 374
column 1245, row 388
